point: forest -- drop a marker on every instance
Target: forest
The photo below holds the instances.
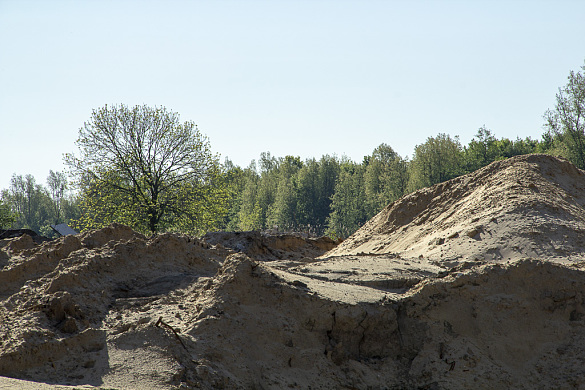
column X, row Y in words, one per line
column 332, row 195
column 167, row 179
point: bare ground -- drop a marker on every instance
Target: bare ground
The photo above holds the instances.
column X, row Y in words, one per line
column 473, row 283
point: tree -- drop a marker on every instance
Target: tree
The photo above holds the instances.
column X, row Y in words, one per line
column 385, row 178
column 348, row 201
column 329, row 168
column 307, row 199
column 284, row 211
column 143, row 167
column 57, row 183
column 438, row 159
column 482, row 150
column 35, row 207
column 249, row 216
column 30, row 204
column 245, row 211
column 236, row 179
column 567, row 120
column 288, row 193
column 7, row 218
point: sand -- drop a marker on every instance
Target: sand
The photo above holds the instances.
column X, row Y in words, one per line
column 477, row 282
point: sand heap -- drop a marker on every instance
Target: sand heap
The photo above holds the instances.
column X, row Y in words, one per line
column 501, row 308
column 527, row 206
column 268, row 247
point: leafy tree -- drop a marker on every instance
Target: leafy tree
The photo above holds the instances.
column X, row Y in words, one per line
column 143, row 167
column 267, row 188
column 327, row 175
column 35, row 207
column 508, row 148
column 315, row 184
column 7, row 218
column 30, row 204
column 236, row 179
column 245, row 213
column 307, row 187
column 101, row 206
column 385, row 178
column 348, row 201
column 567, row 120
column 57, row 184
column 438, row 159
column 481, row 150
column 282, row 211
column 288, row 193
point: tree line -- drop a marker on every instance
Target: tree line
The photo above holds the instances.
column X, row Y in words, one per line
column 335, row 196
column 332, row 195
column 143, row 167
column 27, row 204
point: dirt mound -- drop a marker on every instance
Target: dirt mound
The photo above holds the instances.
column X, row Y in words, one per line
column 112, row 308
column 499, row 326
column 14, row 233
column 61, row 300
column 270, row 247
column 526, row 206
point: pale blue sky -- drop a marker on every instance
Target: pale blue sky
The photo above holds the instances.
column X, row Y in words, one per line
column 303, row 78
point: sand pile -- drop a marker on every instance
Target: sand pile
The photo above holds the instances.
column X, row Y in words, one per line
column 64, row 302
column 269, row 247
column 498, row 308
column 526, row 206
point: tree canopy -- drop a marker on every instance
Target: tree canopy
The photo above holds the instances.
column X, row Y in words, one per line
column 6, row 216
column 437, row 160
column 143, row 167
column 29, row 205
column 567, row 120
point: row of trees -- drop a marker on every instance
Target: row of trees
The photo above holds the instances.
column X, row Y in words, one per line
column 27, row 204
column 141, row 166
column 336, row 196
column 331, row 195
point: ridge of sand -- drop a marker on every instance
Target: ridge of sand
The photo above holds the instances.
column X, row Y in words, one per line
column 526, row 206
column 496, row 300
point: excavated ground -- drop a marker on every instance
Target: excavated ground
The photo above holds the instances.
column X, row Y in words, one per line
column 474, row 283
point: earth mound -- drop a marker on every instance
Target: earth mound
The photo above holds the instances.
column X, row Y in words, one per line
column 270, row 247
column 526, row 206
column 113, row 308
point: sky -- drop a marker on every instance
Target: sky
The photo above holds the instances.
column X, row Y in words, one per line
column 302, row 78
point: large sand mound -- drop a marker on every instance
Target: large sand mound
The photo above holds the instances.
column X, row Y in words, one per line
column 481, row 306
column 526, row 206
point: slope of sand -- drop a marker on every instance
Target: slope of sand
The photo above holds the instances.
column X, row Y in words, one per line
column 474, row 283
column 527, row 206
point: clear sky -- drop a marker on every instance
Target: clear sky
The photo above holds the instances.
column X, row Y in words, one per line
column 303, row 78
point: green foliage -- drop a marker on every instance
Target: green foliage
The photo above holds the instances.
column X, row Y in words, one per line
column 235, row 179
column 32, row 206
column 249, row 215
column 348, row 201
column 287, row 193
column 566, row 122
column 7, row 218
column 439, row 159
column 29, row 201
column 484, row 149
column 57, row 184
column 385, row 179
column 141, row 166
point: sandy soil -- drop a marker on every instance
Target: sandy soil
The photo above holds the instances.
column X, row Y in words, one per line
column 473, row 283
